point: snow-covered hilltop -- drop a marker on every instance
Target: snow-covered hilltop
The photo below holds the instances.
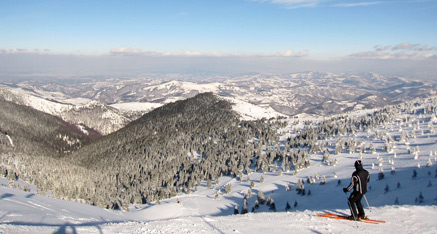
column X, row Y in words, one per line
column 289, row 94
column 397, row 144
column 81, row 112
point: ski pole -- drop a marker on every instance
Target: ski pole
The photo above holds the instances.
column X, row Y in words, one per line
column 350, row 207
column 365, row 198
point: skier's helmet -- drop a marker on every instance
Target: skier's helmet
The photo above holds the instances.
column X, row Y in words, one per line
column 358, row 164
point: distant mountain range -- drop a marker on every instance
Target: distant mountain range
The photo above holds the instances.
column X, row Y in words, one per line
column 106, row 105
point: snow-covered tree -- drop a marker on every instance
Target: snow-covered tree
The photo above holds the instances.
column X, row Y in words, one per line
column 261, row 198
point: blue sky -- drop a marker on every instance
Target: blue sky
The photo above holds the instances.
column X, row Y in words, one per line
column 309, row 30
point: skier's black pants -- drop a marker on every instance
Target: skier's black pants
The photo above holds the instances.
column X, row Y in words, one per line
column 355, row 198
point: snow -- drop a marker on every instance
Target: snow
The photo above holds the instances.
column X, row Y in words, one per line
column 249, row 111
column 200, row 212
column 82, row 129
column 117, row 119
column 29, row 99
column 136, row 106
column 29, row 213
column 77, row 101
column 10, row 140
column 177, row 86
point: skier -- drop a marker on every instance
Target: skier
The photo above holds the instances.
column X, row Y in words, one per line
column 359, row 180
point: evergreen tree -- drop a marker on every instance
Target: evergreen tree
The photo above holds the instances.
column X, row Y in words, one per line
column 256, row 204
column 244, row 209
column 261, row 198
column 420, row 198
column 323, row 180
column 381, row 174
column 287, row 206
column 272, row 205
column 228, row 188
column 288, row 187
column 387, row 189
column 300, row 186
column 236, row 210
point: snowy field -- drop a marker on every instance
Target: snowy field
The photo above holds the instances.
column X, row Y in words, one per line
column 26, row 213
column 406, row 197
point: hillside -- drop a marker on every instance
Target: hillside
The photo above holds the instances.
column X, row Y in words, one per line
column 28, row 213
column 97, row 117
column 290, row 94
column 36, row 133
column 170, row 150
column 397, row 145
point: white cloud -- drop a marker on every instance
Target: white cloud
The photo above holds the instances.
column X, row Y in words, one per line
column 290, row 53
column 415, row 47
column 404, row 46
column 126, row 51
column 14, row 51
column 294, row 4
column 424, row 48
column 382, row 48
column 400, row 51
column 24, row 51
column 356, row 4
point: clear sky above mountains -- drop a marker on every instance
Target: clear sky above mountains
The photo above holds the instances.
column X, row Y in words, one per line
column 219, row 36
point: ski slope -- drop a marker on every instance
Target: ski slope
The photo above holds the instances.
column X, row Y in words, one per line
column 28, row 213
column 394, row 198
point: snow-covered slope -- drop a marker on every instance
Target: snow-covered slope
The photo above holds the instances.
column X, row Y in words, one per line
column 248, row 111
column 93, row 114
column 29, row 213
column 136, row 106
column 405, row 196
column 27, row 98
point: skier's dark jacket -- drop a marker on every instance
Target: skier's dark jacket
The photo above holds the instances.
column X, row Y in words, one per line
column 359, row 179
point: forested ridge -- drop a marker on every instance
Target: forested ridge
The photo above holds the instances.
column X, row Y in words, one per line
column 35, row 132
column 173, row 149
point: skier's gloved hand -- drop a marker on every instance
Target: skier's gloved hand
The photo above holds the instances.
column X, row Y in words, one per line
column 345, row 190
